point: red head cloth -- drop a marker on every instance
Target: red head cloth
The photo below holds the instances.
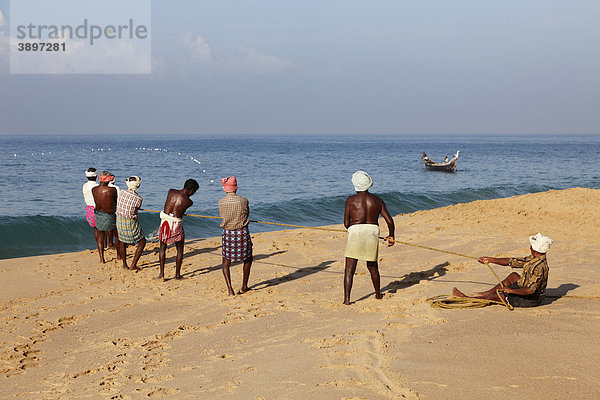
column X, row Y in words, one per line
column 229, row 184
column 106, row 178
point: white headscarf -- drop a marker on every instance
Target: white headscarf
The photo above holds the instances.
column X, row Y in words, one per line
column 540, row 243
column 133, row 182
column 361, row 181
column 89, row 174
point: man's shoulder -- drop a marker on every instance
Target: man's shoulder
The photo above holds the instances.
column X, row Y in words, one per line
column 373, row 196
column 128, row 193
column 175, row 193
column 352, row 197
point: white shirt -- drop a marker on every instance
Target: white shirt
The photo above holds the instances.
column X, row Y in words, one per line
column 116, row 187
column 87, row 193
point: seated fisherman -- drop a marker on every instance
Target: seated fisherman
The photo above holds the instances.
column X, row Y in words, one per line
column 520, row 291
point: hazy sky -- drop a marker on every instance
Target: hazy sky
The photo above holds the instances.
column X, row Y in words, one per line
column 335, row 66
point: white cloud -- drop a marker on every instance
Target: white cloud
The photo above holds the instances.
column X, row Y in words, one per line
column 252, row 60
column 244, row 59
column 200, row 48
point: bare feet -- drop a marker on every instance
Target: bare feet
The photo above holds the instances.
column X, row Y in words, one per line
column 136, row 269
column 458, row 293
column 161, row 277
column 178, row 277
column 379, row 296
column 243, row 290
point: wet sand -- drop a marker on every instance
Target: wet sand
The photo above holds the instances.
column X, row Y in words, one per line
column 72, row 328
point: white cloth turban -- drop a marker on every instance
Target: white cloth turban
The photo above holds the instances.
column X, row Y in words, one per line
column 133, row 182
column 361, row 181
column 89, row 174
column 540, row 243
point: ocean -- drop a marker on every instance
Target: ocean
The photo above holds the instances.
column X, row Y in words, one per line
column 301, row 180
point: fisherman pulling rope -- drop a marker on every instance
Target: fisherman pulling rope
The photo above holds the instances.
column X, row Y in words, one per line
column 442, row 301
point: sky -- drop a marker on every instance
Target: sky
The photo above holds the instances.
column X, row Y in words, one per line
column 333, row 67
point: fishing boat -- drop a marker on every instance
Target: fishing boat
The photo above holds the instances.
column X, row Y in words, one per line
column 446, row 166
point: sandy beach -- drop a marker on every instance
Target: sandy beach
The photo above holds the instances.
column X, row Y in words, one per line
column 73, row 328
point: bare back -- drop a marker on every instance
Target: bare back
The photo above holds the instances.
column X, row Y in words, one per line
column 177, row 203
column 105, row 198
column 365, row 208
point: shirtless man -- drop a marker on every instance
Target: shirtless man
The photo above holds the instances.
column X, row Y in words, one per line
column 171, row 228
column 361, row 219
column 105, row 198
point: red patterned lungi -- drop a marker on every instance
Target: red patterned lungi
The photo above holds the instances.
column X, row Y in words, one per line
column 170, row 230
column 90, row 216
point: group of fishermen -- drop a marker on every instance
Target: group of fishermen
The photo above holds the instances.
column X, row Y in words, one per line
column 111, row 211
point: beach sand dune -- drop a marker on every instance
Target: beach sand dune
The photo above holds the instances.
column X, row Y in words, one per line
column 72, row 328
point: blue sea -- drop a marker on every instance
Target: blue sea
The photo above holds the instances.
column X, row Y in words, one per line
column 302, row 180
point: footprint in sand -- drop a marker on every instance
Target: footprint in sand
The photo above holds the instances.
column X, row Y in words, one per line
column 362, row 356
column 162, row 392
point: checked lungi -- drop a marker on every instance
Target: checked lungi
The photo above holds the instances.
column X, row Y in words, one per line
column 237, row 245
column 129, row 230
column 105, row 221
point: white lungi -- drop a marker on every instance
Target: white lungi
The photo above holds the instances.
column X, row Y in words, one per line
column 363, row 242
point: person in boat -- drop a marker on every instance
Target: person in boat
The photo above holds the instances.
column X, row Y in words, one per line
column 171, row 227
column 236, row 241
column 527, row 290
column 424, row 157
column 446, row 159
column 361, row 216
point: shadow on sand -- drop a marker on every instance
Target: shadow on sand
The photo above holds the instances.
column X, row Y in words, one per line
column 297, row 274
column 206, row 270
column 554, row 294
column 411, row 279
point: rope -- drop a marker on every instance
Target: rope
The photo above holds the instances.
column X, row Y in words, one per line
column 340, row 230
column 450, row 302
column 438, row 301
column 189, row 215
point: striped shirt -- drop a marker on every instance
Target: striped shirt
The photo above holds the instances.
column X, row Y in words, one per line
column 535, row 273
column 128, row 203
column 235, row 211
